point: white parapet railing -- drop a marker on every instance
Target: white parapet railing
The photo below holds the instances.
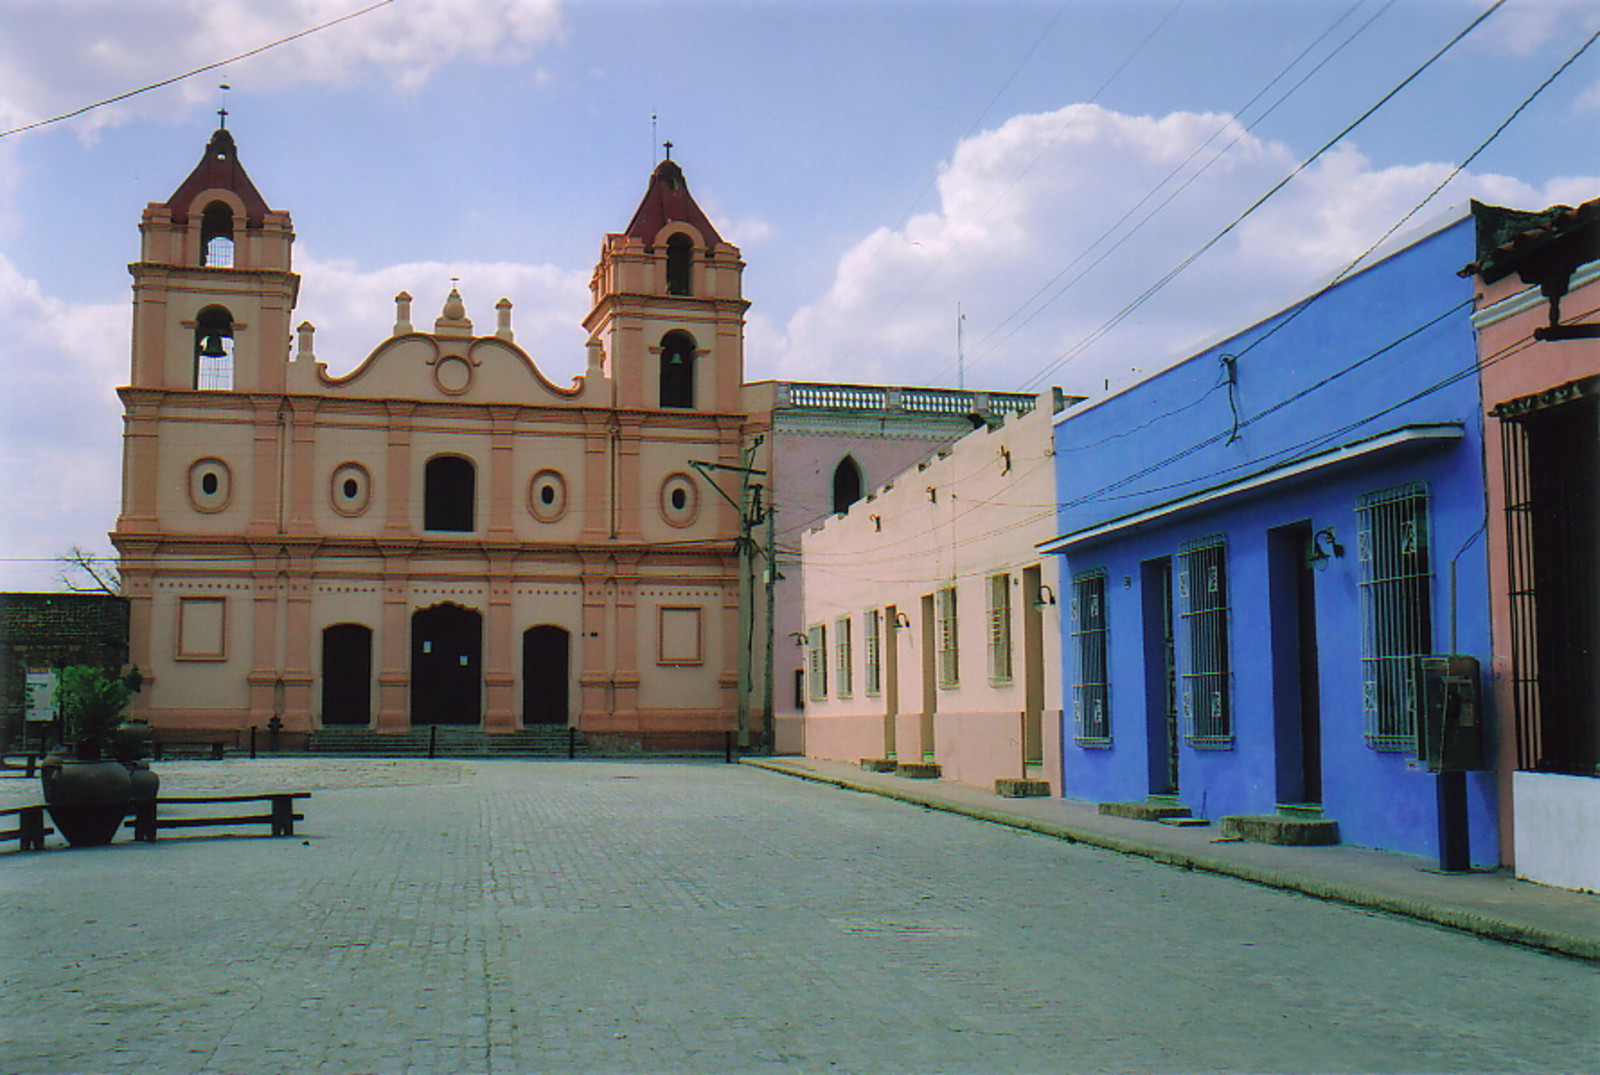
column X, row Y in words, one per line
column 935, row 401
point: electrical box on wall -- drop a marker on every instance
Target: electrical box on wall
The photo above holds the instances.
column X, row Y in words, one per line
column 1450, row 724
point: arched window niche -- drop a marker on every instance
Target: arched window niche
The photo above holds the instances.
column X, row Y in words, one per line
column 449, row 491
column 216, row 236
column 846, row 484
column 677, row 370
column 213, row 350
column 680, row 265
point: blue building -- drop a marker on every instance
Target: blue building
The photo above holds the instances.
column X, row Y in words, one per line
column 1259, row 541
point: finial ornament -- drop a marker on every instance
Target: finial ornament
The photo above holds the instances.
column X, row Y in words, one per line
column 222, row 113
column 668, row 147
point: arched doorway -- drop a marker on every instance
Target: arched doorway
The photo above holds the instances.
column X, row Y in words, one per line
column 545, row 662
column 446, row 665
column 347, row 674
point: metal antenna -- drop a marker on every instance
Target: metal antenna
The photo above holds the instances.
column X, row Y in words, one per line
column 961, row 357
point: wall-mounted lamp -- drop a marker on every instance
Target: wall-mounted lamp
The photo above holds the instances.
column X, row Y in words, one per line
column 1045, row 597
column 799, row 637
column 1324, row 546
column 901, row 621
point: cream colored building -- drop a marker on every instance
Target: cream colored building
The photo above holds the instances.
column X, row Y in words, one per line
column 443, row 536
column 932, row 623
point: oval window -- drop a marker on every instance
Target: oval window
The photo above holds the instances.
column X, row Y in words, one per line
column 547, row 496
column 210, row 485
column 351, row 489
column 680, row 500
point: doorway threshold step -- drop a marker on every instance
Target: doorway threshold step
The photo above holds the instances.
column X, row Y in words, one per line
column 1305, row 810
column 1283, row 831
column 879, row 765
column 1009, row 787
column 1182, row 822
column 1146, row 810
column 919, row 770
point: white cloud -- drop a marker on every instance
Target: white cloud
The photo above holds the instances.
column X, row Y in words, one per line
column 64, row 56
column 60, row 428
column 354, row 311
column 1522, row 27
column 1021, row 216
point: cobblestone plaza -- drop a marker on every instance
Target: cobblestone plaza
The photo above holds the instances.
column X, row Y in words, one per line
column 506, row 916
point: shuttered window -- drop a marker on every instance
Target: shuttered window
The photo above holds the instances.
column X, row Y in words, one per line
column 1000, row 629
column 949, row 655
column 817, row 661
column 873, row 644
column 844, row 682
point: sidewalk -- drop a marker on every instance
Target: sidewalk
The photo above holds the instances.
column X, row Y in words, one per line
column 1489, row 904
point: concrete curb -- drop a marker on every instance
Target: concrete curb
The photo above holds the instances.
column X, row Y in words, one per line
column 1531, row 936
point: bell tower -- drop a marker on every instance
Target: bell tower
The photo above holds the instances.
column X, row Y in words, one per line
column 213, row 289
column 668, row 307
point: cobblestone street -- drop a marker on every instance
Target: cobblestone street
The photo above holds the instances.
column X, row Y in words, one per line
column 506, row 916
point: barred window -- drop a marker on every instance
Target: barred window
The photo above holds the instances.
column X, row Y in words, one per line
column 1396, row 611
column 1000, row 629
column 841, row 631
column 949, row 656
column 873, row 640
column 1091, row 708
column 817, row 661
column 1203, row 609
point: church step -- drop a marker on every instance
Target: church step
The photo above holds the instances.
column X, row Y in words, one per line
column 445, row 742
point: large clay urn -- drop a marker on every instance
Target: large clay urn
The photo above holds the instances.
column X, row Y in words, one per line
column 87, row 799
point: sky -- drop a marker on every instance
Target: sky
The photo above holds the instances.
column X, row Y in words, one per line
column 945, row 192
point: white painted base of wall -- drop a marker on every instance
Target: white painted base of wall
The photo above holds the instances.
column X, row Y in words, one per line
column 1557, row 829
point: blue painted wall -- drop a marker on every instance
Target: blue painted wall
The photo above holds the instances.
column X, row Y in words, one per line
column 1388, row 347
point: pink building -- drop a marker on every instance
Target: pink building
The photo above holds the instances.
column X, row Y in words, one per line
column 1538, row 321
column 932, row 626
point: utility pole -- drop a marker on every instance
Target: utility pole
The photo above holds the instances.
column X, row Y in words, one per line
column 751, row 514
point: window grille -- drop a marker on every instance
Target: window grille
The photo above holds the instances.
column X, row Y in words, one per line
column 1091, row 709
column 1396, row 611
column 873, row 640
column 817, row 661
column 1203, row 609
column 1000, row 629
column 845, row 682
column 949, row 657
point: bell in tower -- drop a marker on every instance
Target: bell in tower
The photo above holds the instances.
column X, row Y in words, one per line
column 668, row 306
column 213, row 290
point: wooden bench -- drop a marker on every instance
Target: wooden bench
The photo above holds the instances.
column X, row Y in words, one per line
column 147, row 819
column 210, row 741
column 31, row 829
column 29, row 764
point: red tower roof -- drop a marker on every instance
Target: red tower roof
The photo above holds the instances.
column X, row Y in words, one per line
column 219, row 169
column 668, row 201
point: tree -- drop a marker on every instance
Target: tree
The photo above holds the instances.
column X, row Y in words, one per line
column 101, row 571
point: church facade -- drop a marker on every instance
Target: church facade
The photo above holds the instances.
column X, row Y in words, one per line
column 442, row 536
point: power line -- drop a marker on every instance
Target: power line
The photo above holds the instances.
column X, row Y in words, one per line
column 1104, row 85
column 197, row 71
column 1172, row 274
column 1238, row 113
